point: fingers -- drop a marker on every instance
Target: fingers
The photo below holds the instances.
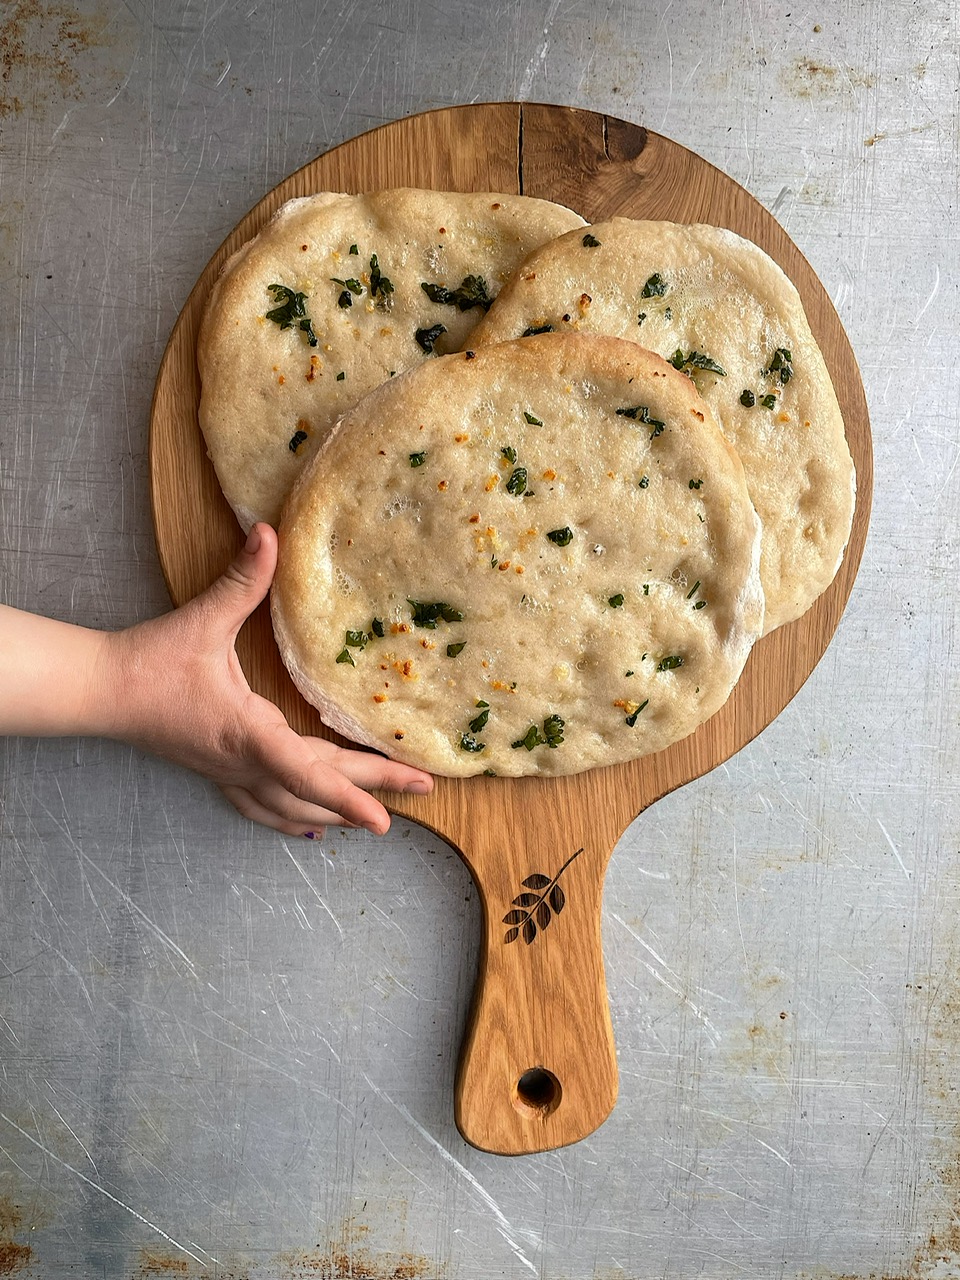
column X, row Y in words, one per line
column 248, row 806
column 298, row 766
column 304, row 784
column 372, row 771
column 266, row 801
column 245, row 582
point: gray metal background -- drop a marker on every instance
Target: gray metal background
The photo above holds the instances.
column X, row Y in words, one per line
column 228, row 1054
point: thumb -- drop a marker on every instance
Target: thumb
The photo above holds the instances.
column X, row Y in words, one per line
column 244, row 583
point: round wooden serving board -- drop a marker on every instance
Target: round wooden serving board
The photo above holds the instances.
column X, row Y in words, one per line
column 538, row 1065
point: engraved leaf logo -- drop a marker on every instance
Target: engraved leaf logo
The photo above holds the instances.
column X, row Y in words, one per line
column 527, row 899
column 533, row 911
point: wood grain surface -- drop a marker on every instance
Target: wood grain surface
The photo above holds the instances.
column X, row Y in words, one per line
column 538, row 1064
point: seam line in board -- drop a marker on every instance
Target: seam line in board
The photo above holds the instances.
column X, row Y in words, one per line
column 520, row 152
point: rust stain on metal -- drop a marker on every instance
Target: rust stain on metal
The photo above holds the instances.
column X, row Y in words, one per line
column 347, row 1259
column 807, row 77
column 156, row 1264
column 14, row 1256
column 361, row 1264
column 40, row 45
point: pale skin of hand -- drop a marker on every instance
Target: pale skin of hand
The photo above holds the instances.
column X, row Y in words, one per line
column 174, row 687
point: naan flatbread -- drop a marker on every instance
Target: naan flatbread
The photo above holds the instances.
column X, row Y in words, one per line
column 725, row 313
column 328, row 301
column 535, row 558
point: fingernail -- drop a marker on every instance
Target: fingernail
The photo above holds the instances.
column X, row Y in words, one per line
column 421, row 787
column 252, row 545
column 309, row 835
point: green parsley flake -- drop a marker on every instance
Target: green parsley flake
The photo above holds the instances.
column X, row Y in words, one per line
column 590, row 242
column 781, row 364
column 454, row 649
column 341, row 375
column 551, row 736
column 344, row 656
column 376, row 626
column 695, row 484
column 640, row 413
column 696, row 360
column 426, row 338
column 616, row 602
column 354, row 249
column 380, row 285
column 427, row 615
column 632, row 718
column 643, row 482
column 532, row 332
column 534, row 422
column 296, row 440
column 770, row 401
column 350, row 288
column 532, row 738
column 561, row 537
column 655, row 287
column 693, row 590
column 517, row 484
column 670, row 663
column 510, row 453
column 471, row 292
column 468, row 741
column 356, row 639
column 479, row 723
column 747, row 398
column 417, row 459
column 553, row 729
column 291, row 312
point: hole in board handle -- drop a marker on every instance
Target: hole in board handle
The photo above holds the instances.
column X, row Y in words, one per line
column 537, row 1093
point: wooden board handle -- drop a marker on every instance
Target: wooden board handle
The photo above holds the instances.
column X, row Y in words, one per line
column 538, row 1064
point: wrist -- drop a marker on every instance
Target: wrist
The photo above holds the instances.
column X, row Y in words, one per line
column 109, row 689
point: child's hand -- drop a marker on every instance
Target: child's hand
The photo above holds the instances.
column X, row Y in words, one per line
column 178, row 690
column 174, row 685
